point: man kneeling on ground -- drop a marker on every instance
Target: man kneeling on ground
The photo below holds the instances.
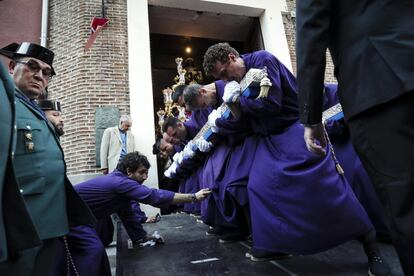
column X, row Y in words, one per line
column 112, row 193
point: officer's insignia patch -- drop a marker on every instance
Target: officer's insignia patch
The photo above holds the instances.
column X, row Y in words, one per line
column 29, row 136
column 29, row 146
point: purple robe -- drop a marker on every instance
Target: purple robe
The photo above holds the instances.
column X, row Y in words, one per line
column 354, row 171
column 298, row 202
column 106, row 195
column 190, row 184
column 226, row 172
column 131, row 219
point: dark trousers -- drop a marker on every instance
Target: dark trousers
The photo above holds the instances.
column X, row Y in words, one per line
column 384, row 140
column 38, row 261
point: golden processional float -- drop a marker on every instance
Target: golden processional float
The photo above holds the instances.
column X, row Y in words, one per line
column 187, row 73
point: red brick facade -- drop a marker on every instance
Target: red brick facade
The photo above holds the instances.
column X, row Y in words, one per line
column 87, row 81
column 289, row 20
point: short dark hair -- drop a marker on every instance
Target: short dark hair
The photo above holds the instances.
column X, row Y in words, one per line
column 178, row 91
column 170, row 122
column 132, row 161
column 217, row 52
column 191, row 93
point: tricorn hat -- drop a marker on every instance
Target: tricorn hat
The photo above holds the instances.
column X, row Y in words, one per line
column 50, row 105
column 28, row 49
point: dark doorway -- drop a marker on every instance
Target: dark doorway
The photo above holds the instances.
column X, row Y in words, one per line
column 173, row 30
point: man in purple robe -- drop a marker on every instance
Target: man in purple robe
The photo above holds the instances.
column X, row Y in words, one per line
column 226, row 169
column 132, row 222
column 299, row 204
column 112, row 193
column 188, row 174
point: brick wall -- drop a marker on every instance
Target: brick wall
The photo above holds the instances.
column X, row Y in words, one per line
column 87, row 81
column 289, row 20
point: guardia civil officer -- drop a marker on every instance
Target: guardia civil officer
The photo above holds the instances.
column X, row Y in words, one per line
column 39, row 165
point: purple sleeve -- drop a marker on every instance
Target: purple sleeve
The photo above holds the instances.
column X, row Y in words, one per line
column 177, row 148
column 141, row 193
column 272, row 103
column 141, row 216
column 191, row 127
column 132, row 223
column 196, row 122
column 271, row 114
column 233, row 126
column 330, row 97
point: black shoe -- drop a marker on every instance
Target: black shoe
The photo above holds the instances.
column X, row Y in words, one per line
column 384, row 238
column 377, row 265
column 214, row 231
column 233, row 237
column 262, row 255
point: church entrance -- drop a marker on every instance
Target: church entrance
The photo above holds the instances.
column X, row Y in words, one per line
column 180, row 37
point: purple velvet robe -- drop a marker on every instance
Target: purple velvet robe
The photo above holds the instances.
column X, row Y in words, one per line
column 106, row 195
column 190, row 184
column 226, row 172
column 131, row 219
column 298, row 202
column 354, row 171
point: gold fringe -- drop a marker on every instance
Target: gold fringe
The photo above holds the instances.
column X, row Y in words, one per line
column 339, row 169
column 264, row 90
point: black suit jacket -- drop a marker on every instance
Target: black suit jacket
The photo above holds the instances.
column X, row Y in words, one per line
column 372, row 46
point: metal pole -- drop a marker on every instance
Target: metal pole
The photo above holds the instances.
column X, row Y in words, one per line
column 103, row 8
column 44, row 24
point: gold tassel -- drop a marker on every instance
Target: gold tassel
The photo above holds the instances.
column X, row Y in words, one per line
column 337, row 165
column 339, row 169
column 265, row 85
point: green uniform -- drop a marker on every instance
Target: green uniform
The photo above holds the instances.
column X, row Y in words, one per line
column 16, row 228
column 40, row 170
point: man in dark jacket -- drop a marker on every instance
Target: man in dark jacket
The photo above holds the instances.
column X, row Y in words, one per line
column 371, row 43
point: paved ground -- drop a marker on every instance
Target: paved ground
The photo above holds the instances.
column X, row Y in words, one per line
column 111, row 252
column 188, row 251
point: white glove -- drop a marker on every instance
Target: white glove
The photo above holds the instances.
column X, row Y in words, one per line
column 180, row 157
column 188, row 151
column 212, row 117
column 176, row 157
column 231, row 92
column 203, row 145
column 171, row 170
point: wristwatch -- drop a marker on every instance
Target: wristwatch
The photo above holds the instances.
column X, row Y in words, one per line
column 193, row 197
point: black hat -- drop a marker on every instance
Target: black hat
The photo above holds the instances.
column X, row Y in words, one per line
column 50, row 105
column 27, row 49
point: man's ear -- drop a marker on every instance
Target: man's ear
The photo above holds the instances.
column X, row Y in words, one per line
column 202, row 91
column 12, row 65
column 232, row 56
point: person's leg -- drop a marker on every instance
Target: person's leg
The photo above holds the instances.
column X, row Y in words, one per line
column 88, row 252
column 43, row 260
column 384, row 139
column 23, row 265
column 105, row 229
column 377, row 266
